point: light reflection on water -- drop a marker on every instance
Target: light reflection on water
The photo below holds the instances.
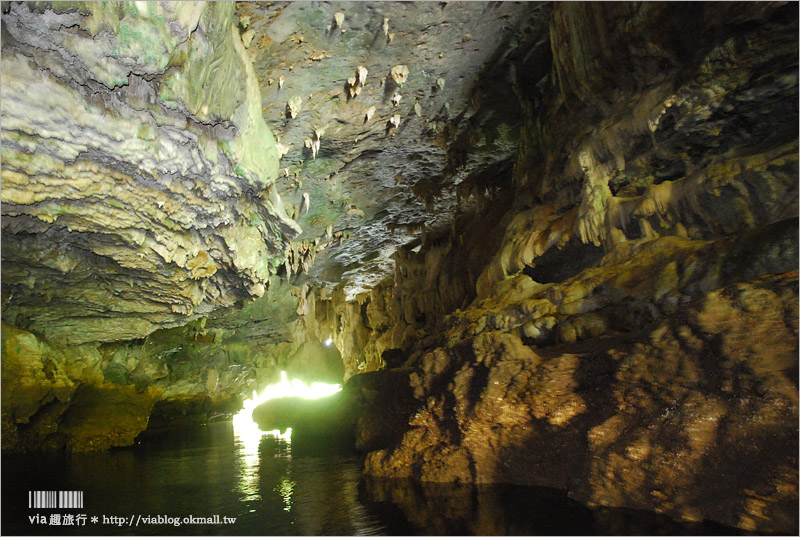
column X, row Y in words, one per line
column 247, row 441
column 202, row 471
column 286, row 488
column 248, row 437
column 320, row 494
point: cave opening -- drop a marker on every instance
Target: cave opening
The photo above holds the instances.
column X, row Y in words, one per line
column 399, row 267
column 249, row 433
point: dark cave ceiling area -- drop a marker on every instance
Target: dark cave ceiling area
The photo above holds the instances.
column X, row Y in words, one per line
column 549, row 244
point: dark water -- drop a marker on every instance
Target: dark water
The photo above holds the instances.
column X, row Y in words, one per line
column 280, row 488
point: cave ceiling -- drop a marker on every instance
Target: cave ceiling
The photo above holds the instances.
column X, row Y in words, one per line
column 169, row 162
column 375, row 184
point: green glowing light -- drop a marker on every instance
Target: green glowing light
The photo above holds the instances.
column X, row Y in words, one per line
column 246, row 430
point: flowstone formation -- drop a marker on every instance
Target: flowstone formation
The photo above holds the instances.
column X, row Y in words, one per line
column 632, row 336
column 136, row 170
column 137, row 194
column 551, row 244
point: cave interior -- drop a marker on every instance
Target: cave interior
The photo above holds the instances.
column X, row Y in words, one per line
column 542, row 244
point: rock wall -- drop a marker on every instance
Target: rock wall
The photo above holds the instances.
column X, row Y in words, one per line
column 199, row 372
column 141, row 221
column 136, row 169
column 137, row 195
column 634, row 335
column 434, row 276
column 613, row 311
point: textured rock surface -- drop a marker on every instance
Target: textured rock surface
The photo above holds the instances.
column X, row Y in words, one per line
column 566, row 233
column 197, row 372
column 372, row 184
column 53, row 399
column 635, row 336
column 139, row 178
column 665, row 417
column 136, row 170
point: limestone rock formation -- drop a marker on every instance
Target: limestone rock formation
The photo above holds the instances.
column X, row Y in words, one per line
column 634, row 338
column 552, row 244
column 648, row 417
column 136, row 169
column 375, row 185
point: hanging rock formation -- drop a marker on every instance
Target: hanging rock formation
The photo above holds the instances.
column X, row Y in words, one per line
column 633, row 338
column 137, row 175
column 553, row 244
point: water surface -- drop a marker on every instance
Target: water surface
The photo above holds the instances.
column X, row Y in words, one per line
column 276, row 487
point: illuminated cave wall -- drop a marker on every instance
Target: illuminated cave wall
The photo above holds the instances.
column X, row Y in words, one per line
column 633, row 336
column 596, row 291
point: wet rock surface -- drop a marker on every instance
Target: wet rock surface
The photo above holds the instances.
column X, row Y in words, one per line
column 633, row 339
column 135, row 174
column 660, row 420
column 552, row 245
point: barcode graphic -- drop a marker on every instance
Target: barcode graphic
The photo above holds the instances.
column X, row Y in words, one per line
column 52, row 499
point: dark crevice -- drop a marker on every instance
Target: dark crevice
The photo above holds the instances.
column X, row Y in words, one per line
column 559, row 264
